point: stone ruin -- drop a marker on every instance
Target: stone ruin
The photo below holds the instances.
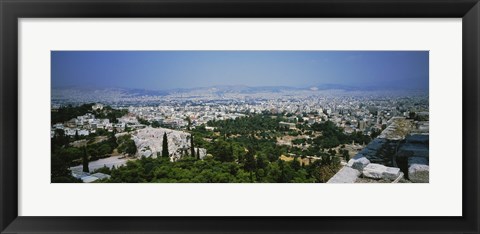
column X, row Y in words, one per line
column 398, row 153
column 413, row 156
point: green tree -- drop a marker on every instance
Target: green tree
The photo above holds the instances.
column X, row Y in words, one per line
column 412, row 115
column 131, row 148
column 192, row 147
column 125, row 145
column 375, row 133
column 262, row 162
column 155, row 124
column 283, row 175
column 189, row 124
column 165, row 152
column 59, row 166
column 295, row 164
column 85, row 160
column 250, row 164
column 221, row 151
column 59, row 138
column 346, row 155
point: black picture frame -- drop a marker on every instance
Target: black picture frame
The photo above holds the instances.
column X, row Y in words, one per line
column 11, row 11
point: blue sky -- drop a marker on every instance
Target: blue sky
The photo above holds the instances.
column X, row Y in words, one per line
column 162, row 70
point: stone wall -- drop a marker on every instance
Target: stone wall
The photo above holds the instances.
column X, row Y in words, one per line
column 395, row 153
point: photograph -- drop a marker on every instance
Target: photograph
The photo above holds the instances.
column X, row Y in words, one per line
column 226, row 110
column 240, row 116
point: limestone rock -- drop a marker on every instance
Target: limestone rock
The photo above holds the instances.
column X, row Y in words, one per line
column 152, row 139
column 202, row 152
column 358, row 164
column 146, row 153
column 378, row 171
column 419, row 173
column 89, row 179
column 400, row 177
column 345, row 175
column 391, row 173
column 101, row 176
column 374, row 171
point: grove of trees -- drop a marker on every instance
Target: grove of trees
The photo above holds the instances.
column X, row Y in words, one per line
column 243, row 150
column 209, row 170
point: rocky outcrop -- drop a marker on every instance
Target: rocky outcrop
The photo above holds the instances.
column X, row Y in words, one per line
column 418, row 173
column 149, row 142
column 345, row 175
column 415, row 151
column 145, row 153
column 202, row 153
column 374, row 171
column 358, row 163
column 398, row 128
column 378, row 171
column 418, row 169
column 392, row 173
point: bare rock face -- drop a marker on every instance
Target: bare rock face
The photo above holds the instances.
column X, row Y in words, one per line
column 146, row 153
column 149, row 142
column 345, row 175
column 418, row 173
column 201, row 152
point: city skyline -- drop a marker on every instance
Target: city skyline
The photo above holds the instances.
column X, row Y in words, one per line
column 165, row 70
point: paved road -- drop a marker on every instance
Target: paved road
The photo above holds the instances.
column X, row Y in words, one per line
column 109, row 162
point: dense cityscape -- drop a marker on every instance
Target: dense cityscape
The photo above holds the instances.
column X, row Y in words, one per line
column 261, row 134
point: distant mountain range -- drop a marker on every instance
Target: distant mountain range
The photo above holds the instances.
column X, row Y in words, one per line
column 220, row 89
column 128, row 96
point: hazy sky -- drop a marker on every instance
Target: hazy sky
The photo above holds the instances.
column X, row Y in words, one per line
column 158, row 70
